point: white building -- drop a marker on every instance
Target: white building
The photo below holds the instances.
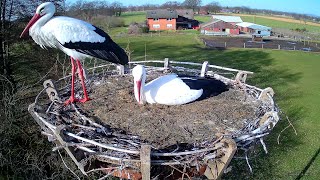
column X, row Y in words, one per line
column 254, row 29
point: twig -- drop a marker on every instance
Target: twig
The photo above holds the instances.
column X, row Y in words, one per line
column 290, row 124
column 68, row 167
column 180, row 171
column 104, row 177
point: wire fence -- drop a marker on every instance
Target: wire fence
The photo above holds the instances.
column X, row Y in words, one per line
column 234, row 42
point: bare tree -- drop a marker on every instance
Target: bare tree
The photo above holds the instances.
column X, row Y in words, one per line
column 193, row 4
column 116, row 8
column 213, row 7
column 171, row 4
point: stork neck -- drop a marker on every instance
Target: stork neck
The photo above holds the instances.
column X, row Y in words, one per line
column 41, row 22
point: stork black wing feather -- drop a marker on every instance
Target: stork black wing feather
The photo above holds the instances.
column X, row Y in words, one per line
column 107, row 50
column 210, row 86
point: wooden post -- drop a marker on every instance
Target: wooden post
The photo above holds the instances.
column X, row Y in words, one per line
column 241, row 77
column 216, row 168
column 225, row 44
column 120, row 69
column 294, row 48
column 145, row 159
column 145, row 51
column 204, row 69
column 264, row 94
column 244, row 45
column 51, row 90
column 262, row 45
column 166, row 63
column 279, row 46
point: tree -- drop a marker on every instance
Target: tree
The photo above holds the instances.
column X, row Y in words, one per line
column 192, row 4
column 171, row 4
column 213, row 7
column 117, row 8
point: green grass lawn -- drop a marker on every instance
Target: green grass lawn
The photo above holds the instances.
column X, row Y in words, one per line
column 293, row 76
column 202, row 19
column 279, row 24
column 130, row 17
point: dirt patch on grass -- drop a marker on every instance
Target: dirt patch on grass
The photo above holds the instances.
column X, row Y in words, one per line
column 113, row 103
column 241, row 42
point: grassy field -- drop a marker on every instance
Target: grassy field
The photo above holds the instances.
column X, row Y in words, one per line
column 279, row 24
column 130, row 17
column 293, row 75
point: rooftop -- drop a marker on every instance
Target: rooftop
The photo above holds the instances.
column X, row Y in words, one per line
column 188, row 13
column 162, row 13
column 229, row 19
column 254, row 26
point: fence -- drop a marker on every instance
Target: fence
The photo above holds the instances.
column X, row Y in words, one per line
column 233, row 42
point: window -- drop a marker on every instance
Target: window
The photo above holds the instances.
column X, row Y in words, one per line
column 155, row 19
column 156, row 26
column 169, row 25
column 169, row 19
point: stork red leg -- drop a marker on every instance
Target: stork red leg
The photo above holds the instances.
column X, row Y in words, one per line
column 85, row 94
column 72, row 99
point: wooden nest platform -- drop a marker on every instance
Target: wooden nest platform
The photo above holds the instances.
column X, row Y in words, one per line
column 113, row 134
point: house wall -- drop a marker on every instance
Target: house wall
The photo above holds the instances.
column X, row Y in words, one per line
column 222, row 27
column 262, row 32
column 161, row 24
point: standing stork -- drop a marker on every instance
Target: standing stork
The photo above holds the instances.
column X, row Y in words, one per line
column 76, row 38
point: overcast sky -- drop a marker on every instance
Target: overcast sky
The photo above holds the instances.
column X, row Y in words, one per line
column 298, row 6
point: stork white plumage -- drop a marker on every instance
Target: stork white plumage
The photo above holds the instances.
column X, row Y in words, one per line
column 76, row 38
column 172, row 89
column 168, row 89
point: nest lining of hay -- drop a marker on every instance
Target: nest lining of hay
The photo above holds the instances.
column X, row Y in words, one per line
column 162, row 126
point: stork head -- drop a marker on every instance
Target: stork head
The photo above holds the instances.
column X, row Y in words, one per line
column 139, row 78
column 46, row 8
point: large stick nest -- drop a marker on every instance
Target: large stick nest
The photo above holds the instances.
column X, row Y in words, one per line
column 112, row 127
column 226, row 113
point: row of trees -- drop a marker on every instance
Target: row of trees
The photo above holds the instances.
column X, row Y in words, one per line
column 89, row 8
column 24, row 153
column 215, row 7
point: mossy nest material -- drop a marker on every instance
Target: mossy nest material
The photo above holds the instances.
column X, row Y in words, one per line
column 114, row 104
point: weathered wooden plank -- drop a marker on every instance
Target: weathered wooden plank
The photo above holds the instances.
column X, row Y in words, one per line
column 145, row 158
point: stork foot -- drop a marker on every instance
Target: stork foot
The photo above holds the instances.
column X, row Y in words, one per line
column 84, row 100
column 71, row 100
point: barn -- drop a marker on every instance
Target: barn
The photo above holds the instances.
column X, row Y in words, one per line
column 221, row 25
column 254, row 29
column 233, row 20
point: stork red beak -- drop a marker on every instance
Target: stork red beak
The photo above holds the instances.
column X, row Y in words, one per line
column 31, row 22
column 139, row 91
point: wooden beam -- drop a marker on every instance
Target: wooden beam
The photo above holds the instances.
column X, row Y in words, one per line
column 216, row 167
column 145, row 161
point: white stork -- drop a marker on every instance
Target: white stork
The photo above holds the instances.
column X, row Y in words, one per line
column 76, row 38
column 172, row 89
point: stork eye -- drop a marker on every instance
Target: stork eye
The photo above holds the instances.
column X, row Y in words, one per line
column 41, row 10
